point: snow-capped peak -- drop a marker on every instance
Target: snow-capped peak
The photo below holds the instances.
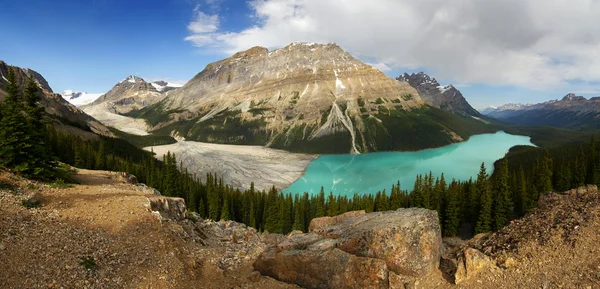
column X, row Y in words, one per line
column 443, row 89
column 79, row 98
column 131, row 79
column 162, row 85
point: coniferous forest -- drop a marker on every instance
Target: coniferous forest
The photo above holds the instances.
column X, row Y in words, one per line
column 30, row 146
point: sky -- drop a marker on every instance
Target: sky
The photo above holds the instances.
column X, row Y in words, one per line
column 495, row 51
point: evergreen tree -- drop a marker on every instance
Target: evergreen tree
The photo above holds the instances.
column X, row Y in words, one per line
column 523, row 201
column 299, row 214
column 15, row 140
column 484, row 222
column 225, row 215
column 502, row 201
column 320, row 204
column 452, row 210
column 332, row 208
column 272, row 222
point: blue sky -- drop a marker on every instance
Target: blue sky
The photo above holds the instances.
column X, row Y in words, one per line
column 89, row 45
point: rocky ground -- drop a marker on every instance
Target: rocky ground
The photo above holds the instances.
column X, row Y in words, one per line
column 103, row 113
column 108, row 232
column 104, row 234
column 239, row 164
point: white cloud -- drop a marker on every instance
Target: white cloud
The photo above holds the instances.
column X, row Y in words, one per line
column 381, row 66
column 537, row 44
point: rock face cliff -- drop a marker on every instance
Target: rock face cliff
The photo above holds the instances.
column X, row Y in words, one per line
column 572, row 111
column 66, row 116
column 303, row 97
column 444, row 97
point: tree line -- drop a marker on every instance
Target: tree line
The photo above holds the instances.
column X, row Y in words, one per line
column 32, row 147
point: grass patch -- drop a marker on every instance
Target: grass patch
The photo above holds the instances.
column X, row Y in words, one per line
column 258, row 110
column 60, row 184
column 361, row 102
column 6, row 185
column 379, row 101
column 88, row 263
column 34, row 202
column 407, row 97
column 144, row 140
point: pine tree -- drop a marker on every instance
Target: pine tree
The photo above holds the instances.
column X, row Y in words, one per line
column 40, row 156
column 502, row 201
column 523, row 201
column 452, row 210
column 15, row 142
column 484, row 222
column 272, row 222
column 332, row 206
column 299, row 211
column 320, row 204
column 225, row 215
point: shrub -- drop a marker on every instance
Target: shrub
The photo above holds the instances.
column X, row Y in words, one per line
column 88, row 263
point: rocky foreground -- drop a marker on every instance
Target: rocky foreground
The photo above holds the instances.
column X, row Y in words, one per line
column 109, row 232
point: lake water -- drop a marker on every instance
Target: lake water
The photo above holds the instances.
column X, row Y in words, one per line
column 372, row 172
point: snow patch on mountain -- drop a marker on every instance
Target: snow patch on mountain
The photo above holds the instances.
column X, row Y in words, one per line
column 79, row 98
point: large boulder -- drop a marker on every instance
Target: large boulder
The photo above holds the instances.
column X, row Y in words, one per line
column 357, row 250
column 169, row 208
column 325, row 221
column 313, row 268
column 408, row 240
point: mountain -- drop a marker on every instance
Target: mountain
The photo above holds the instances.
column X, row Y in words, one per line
column 304, row 97
column 488, row 110
column 65, row 116
column 132, row 93
column 79, row 98
column 572, row 111
column 444, row 97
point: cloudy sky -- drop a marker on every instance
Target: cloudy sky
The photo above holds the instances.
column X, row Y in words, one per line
column 495, row 51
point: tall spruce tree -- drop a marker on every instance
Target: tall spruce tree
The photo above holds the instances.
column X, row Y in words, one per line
column 502, row 201
column 451, row 210
column 484, row 222
column 15, row 137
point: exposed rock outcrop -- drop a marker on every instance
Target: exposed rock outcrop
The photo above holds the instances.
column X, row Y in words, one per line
column 357, row 250
column 167, row 207
column 470, row 263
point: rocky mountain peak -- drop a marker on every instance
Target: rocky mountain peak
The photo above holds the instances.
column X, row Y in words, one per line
column 445, row 97
column 572, row 97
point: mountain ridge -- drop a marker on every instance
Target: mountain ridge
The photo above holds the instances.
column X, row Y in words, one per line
column 304, row 97
column 571, row 111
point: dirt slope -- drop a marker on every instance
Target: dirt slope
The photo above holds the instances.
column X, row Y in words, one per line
column 107, row 219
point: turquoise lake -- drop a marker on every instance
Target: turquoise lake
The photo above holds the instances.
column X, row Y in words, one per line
column 372, row 172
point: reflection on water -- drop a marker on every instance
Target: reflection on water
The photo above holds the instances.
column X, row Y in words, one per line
column 369, row 173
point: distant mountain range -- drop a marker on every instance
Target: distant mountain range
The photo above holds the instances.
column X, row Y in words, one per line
column 304, row 97
column 572, row 111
